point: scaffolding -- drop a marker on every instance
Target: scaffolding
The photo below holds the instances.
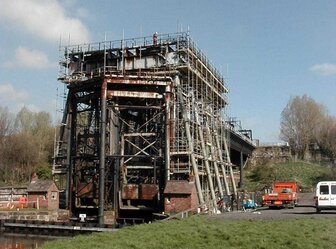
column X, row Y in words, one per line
column 141, row 112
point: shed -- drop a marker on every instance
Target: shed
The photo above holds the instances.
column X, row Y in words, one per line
column 180, row 196
column 43, row 194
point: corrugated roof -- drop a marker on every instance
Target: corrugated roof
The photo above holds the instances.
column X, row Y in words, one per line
column 39, row 185
column 178, row 187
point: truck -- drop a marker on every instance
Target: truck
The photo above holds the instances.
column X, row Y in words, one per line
column 325, row 196
column 284, row 194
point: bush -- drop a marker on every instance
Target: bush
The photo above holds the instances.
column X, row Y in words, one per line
column 43, row 172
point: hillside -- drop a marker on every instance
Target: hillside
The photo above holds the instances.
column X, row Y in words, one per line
column 305, row 173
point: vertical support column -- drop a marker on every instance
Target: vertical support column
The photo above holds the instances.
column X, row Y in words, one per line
column 114, row 136
column 71, row 148
column 68, row 193
column 230, row 167
column 122, row 159
column 241, row 182
column 214, row 158
column 205, row 157
column 194, row 164
column 190, row 142
column 102, row 153
column 226, row 185
column 116, row 187
column 167, row 131
column 114, row 132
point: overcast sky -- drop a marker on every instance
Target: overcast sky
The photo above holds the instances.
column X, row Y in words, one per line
column 268, row 50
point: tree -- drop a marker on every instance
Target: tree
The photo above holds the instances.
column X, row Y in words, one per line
column 24, row 122
column 20, row 156
column 25, row 145
column 6, row 122
column 327, row 138
column 300, row 123
column 43, row 171
column 6, row 130
column 37, row 124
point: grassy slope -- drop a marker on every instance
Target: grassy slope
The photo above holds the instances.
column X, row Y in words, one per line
column 306, row 174
column 201, row 232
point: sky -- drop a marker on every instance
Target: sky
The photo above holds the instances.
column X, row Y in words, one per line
column 268, row 50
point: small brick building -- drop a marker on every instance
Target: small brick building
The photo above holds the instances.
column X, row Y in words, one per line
column 180, row 196
column 43, row 194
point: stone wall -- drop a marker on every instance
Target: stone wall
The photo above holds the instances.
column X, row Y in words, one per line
column 45, row 215
column 274, row 153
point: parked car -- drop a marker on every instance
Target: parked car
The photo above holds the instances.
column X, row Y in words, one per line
column 325, row 195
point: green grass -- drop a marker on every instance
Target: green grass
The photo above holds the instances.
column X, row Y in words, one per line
column 306, row 174
column 203, row 232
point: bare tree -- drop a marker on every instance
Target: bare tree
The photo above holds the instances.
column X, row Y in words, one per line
column 24, row 122
column 327, row 138
column 300, row 123
column 6, row 122
column 44, row 132
column 21, row 156
column 25, row 144
column 6, row 129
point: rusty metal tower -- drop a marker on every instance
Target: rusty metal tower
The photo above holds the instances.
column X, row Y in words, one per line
column 141, row 113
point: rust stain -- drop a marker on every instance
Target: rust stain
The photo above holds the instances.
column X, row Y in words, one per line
column 130, row 192
column 148, row 191
column 85, row 190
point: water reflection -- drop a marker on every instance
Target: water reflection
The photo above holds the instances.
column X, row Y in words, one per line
column 16, row 241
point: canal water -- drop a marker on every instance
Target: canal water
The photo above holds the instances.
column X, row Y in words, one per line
column 23, row 241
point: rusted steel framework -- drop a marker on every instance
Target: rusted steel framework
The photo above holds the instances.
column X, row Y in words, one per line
column 141, row 112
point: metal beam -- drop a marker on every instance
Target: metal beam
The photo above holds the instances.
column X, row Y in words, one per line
column 102, row 153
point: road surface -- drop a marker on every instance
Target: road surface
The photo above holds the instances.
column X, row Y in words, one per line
column 305, row 209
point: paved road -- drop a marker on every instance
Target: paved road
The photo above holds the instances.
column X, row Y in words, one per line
column 305, row 209
column 306, row 199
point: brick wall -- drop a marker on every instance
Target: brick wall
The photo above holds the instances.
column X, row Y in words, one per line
column 41, row 198
column 176, row 203
column 194, row 199
column 53, row 197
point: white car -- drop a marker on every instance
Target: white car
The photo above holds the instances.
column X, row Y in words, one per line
column 325, row 195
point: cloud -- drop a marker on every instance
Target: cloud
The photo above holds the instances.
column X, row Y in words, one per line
column 15, row 99
column 45, row 19
column 8, row 92
column 324, row 69
column 32, row 59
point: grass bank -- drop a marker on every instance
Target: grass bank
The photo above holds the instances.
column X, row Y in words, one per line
column 202, row 232
column 306, row 174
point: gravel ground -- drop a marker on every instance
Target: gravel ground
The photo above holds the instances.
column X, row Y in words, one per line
column 305, row 209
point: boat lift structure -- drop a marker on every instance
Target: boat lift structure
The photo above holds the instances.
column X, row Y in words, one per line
column 140, row 113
